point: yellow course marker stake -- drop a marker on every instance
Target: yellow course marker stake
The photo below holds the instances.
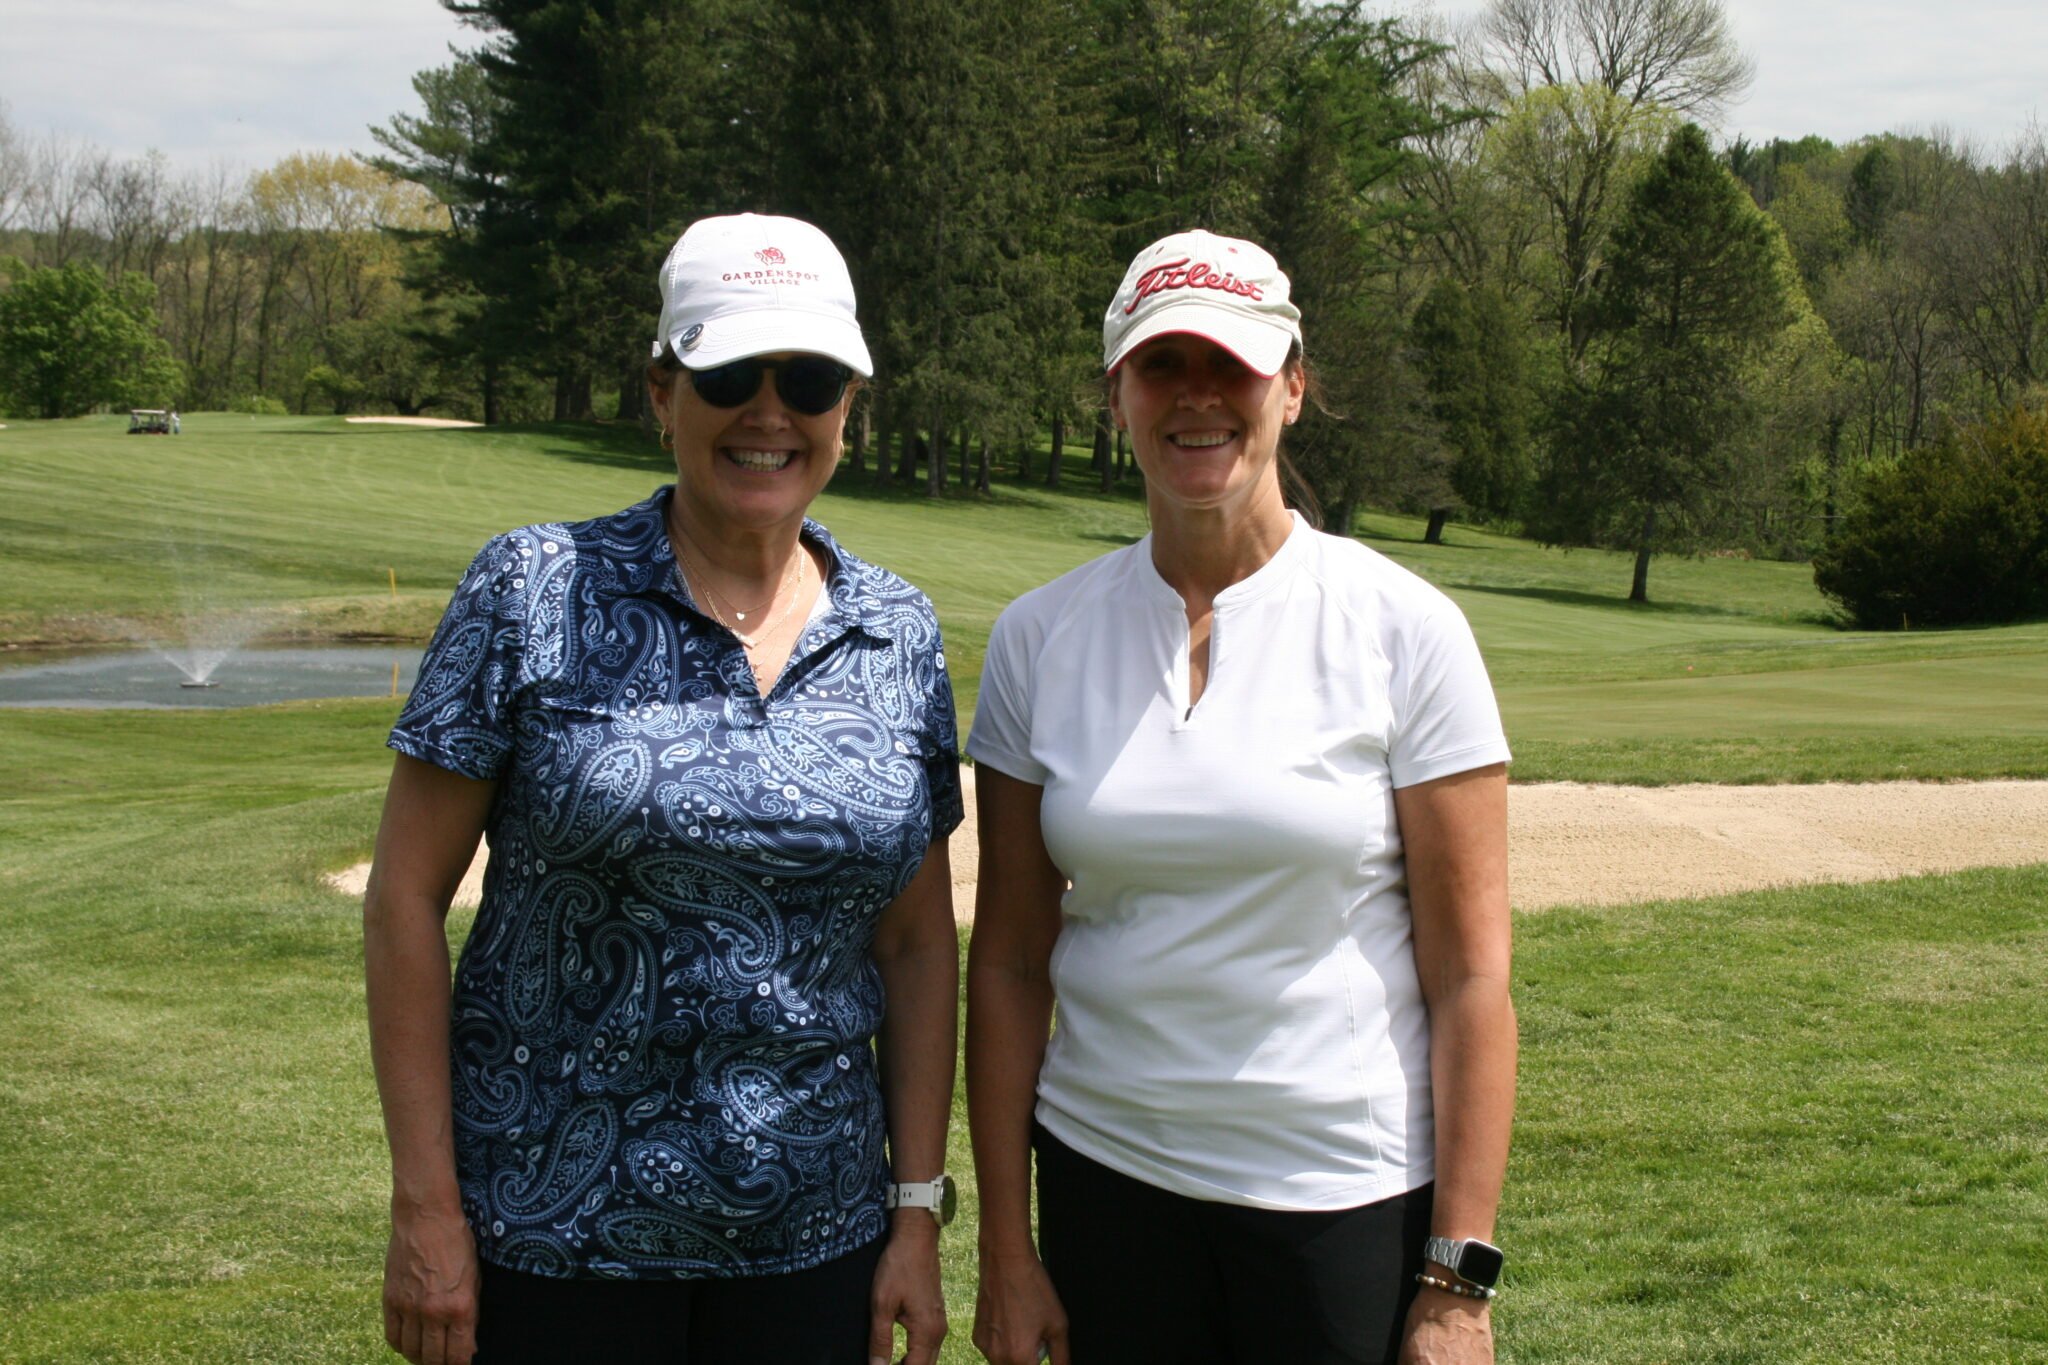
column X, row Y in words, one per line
column 394, row 583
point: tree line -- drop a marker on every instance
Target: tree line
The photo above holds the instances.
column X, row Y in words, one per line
column 126, row 281
column 1535, row 294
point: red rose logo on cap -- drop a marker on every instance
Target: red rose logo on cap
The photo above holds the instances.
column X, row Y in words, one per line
column 770, row 256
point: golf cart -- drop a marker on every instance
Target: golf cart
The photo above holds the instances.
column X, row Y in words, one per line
column 148, row 422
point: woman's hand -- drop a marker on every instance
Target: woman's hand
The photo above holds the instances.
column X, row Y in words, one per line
column 917, row 951
column 430, row 1288
column 1017, row 1315
column 907, row 1290
column 1456, row 837
column 432, row 821
column 1017, row 1312
column 1444, row 1329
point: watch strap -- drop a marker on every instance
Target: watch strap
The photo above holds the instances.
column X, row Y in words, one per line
column 1450, row 1252
column 914, row 1194
column 936, row 1195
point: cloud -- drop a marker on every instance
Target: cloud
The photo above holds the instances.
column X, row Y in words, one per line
column 252, row 80
column 1848, row 70
column 245, row 80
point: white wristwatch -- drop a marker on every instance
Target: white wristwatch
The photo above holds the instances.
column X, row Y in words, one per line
column 939, row 1195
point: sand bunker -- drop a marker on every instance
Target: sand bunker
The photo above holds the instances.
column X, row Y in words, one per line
column 1574, row 844
column 416, row 421
column 1570, row 843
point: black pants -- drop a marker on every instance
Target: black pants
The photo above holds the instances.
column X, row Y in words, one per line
column 811, row 1317
column 1147, row 1276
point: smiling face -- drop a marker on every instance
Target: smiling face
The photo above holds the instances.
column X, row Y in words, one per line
column 1204, row 426
column 752, row 468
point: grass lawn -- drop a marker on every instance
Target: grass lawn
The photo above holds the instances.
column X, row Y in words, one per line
column 1795, row 1126
column 1731, row 674
column 1799, row 1126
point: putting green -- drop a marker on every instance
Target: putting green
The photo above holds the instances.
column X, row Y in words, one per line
column 1979, row 696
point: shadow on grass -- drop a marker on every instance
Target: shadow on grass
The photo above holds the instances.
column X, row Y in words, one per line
column 609, row 445
column 613, row 445
column 1572, row 597
column 863, row 486
column 1387, row 538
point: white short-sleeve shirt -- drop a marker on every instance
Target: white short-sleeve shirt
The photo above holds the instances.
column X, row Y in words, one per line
column 1238, row 1012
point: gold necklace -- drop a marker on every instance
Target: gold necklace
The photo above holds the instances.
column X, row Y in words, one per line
column 792, row 582
column 789, row 605
column 713, row 592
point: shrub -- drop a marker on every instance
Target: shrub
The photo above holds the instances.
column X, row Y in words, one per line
column 1952, row 534
column 340, row 390
column 260, row 405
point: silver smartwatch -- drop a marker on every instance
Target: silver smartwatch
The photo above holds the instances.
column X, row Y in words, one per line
column 939, row 1195
column 1471, row 1260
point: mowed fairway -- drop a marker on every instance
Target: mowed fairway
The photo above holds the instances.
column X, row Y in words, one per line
column 1731, row 674
column 1794, row 1126
column 311, row 518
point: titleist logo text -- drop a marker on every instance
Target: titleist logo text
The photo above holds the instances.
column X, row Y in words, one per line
column 1180, row 275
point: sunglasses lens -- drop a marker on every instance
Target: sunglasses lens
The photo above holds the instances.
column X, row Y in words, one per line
column 811, row 384
column 728, row 386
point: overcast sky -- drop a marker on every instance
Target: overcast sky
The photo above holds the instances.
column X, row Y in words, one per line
column 248, row 81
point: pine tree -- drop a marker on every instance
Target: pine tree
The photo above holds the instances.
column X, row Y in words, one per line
column 1470, row 346
column 615, row 123
column 1692, row 289
column 438, row 150
column 930, row 144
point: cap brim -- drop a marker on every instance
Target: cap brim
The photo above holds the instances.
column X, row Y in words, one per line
column 1261, row 345
column 768, row 330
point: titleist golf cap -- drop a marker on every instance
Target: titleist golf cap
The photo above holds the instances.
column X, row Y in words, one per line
column 1224, row 288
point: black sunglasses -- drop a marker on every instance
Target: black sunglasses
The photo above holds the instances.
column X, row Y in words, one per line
column 809, row 384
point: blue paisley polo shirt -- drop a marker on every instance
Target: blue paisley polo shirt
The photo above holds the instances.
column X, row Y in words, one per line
column 662, row 1016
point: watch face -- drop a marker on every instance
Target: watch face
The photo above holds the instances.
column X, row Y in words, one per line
column 1480, row 1264
column 949, row 1199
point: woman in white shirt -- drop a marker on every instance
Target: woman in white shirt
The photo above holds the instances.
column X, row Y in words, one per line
column 1243, row 804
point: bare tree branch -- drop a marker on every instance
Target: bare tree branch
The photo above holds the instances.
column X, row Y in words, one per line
column 1675, row 53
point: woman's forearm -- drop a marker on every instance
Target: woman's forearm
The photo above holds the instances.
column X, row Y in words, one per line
column 1455, row 832
column 1009, row 1014
column 915, row 1046
column 1472, row 1075
column 917, row 952
column 432, row 821
column 405, row 962
column 1009, row 1002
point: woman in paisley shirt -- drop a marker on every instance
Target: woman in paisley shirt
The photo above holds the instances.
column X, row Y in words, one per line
column 663, row 1114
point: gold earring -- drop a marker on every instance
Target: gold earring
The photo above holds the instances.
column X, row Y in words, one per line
column 667, row 439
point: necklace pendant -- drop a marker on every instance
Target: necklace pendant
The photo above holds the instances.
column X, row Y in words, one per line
column 739, row 616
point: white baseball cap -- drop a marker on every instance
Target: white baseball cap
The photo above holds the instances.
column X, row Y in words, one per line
column 751, row 284
column 1224, row 288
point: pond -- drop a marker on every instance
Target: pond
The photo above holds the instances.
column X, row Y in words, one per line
column 146, row 678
